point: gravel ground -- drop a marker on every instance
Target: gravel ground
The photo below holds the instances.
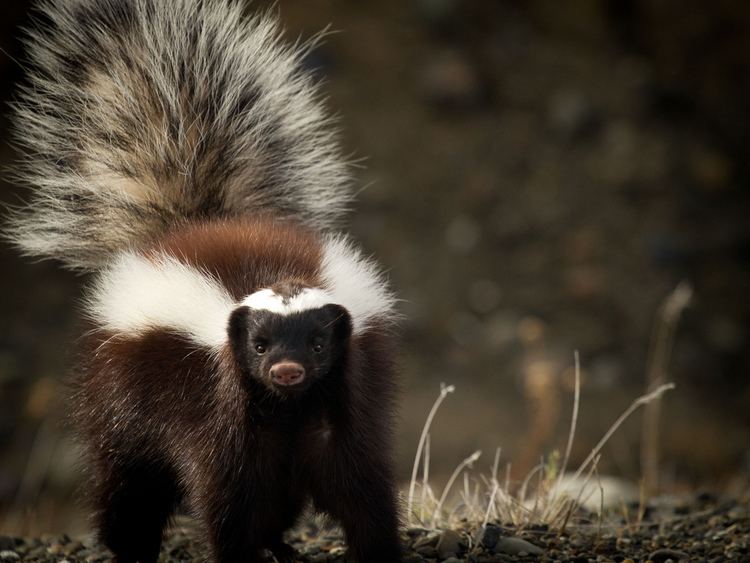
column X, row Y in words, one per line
column 699, row 528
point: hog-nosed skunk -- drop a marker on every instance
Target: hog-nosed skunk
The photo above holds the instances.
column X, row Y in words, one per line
column 239, row 360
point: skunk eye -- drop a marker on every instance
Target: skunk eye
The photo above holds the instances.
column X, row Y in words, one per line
column 317, row 346
column 260, row 348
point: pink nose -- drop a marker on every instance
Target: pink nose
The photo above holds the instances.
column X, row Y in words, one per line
column 287, row 373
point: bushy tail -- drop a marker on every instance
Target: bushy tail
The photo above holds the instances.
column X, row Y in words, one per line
column 141, row 114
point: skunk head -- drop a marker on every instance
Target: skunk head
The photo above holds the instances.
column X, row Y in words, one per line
column 288, row 346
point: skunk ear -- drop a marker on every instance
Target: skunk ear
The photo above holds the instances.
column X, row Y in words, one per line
column 239, row 323
column 341, row 320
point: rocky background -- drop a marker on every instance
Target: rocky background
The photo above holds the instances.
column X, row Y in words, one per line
column 536, row 177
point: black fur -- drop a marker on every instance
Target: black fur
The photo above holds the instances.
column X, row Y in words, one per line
column 289, row 338
column 168, row 424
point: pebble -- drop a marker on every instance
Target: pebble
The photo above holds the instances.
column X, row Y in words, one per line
column 663, row 555
column 416, row 532
column 449, row 544
column 489, row 536
column 37, row 553
column 430, row 539
column 738, row 512
column 72, row 547
column 516, row 546
column 427, row 551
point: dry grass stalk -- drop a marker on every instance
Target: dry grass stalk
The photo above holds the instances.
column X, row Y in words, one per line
column 551, row 505
column 444, row 391
column 662, row 343
column 574, row 418
column 466, row 463
column 641, row 503
column 600, row 514
column 640, row 401
column 495, row 488
column 592, row 471
column 425, row 476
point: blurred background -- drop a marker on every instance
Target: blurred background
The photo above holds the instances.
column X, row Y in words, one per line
column 537, row 178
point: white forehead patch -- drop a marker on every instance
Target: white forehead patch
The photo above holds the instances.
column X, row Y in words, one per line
column 308, row 299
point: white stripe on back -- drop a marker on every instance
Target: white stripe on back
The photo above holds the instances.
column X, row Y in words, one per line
column 137, row 293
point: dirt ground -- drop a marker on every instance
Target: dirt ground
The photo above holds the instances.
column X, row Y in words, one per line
column 699, row 528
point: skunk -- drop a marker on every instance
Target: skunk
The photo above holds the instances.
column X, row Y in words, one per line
column 239, row 360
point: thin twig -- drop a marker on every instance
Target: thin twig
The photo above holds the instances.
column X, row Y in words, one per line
column 425, row 476
column 573, row 420
column 444, row 391
column 601, row 507
column 662, row 343
column 490, row 505
column 456, row 472
column 527, row 479
column 640, row 401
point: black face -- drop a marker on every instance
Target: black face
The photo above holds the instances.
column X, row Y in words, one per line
column 289, row 353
